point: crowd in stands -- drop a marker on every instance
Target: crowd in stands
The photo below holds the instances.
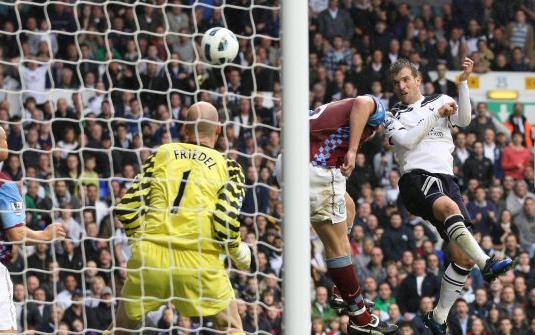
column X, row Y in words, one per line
column 127, row 76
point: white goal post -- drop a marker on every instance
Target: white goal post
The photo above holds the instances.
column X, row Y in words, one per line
column 295, row 131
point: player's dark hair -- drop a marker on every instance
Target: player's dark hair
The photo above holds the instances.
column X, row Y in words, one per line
column 401, row 64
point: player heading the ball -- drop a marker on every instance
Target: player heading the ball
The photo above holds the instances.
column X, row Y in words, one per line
column 337, row 130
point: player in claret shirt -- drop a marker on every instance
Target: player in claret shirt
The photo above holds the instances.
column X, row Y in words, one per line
column 336, row 131
column 420, row 130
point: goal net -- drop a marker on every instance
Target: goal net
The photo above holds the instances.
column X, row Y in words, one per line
column 88, row 90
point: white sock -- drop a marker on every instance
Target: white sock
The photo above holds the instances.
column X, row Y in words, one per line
column 450, row 290
column 457, row 231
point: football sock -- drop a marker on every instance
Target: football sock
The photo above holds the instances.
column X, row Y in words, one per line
column 343, row 275
column 450, row 290
column 457, row 232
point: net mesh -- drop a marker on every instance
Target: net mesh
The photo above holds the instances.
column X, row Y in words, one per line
column 88, row 90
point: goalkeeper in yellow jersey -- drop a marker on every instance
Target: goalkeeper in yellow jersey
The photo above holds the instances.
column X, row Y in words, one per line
column 181, row 213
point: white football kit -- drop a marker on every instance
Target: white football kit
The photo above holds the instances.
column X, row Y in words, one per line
column 423, row 145
column 421, row 138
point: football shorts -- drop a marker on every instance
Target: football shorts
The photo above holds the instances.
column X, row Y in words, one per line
column 327, row 189
column 195, row 282
column 419, row 190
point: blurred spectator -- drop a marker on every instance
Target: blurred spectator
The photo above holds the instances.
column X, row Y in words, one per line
column 519, row 62
column 479, row 167
column 77, row 311
column 34, row 77
column 39, row 312
column 335, row 21
column 516, row 157
column 493, row 152
column 71, row 260
column 520, row 34
column 337, row 55
column 504, row 227
column 320, row 306
column 462, row 322
column 517, row 123
column 39, row 261
column 442, row 84
column 414, row 287
column 64, row 298
column 482, row 122
column 397, row 239
column 525, row 221
column 481, row 305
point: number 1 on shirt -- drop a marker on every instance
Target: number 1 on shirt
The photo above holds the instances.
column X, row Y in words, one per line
column 181, row 188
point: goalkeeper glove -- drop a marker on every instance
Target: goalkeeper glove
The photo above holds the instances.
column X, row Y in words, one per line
column 241, row 256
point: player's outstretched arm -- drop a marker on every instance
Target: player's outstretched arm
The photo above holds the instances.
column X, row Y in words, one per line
column 226, row 226
column 408, row 139
column 13, row 217
column 464, row 115
column 19, row 233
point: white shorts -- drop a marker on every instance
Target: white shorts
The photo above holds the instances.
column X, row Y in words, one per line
column 8, row 314
column 327, row 190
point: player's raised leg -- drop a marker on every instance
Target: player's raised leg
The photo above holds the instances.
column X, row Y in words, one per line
column 446, row 210
column 464, row 252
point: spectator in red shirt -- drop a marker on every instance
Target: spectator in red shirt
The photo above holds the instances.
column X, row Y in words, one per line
column 516, row 158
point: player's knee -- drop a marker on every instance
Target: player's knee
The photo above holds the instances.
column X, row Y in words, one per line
column 445, row 207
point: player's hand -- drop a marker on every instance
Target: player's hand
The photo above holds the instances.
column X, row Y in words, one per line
column 55, row 231
column 349, row 163
column 468, row 66
column 241, row 256
column 448, row 109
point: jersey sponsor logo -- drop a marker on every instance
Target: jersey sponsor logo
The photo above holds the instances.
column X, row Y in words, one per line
column 435, row 133
column 17, row 207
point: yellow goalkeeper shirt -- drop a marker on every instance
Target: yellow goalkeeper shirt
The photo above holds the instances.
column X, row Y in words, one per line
column 188, row 196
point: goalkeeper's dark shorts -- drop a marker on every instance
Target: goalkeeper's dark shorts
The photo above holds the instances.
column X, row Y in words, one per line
column 419, row 190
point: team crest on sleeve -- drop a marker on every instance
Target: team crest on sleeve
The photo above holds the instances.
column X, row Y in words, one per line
column 388, row 123
column 17, row 207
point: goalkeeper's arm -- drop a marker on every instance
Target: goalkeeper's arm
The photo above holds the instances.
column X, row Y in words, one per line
column 226, row 227
column 131, row 207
